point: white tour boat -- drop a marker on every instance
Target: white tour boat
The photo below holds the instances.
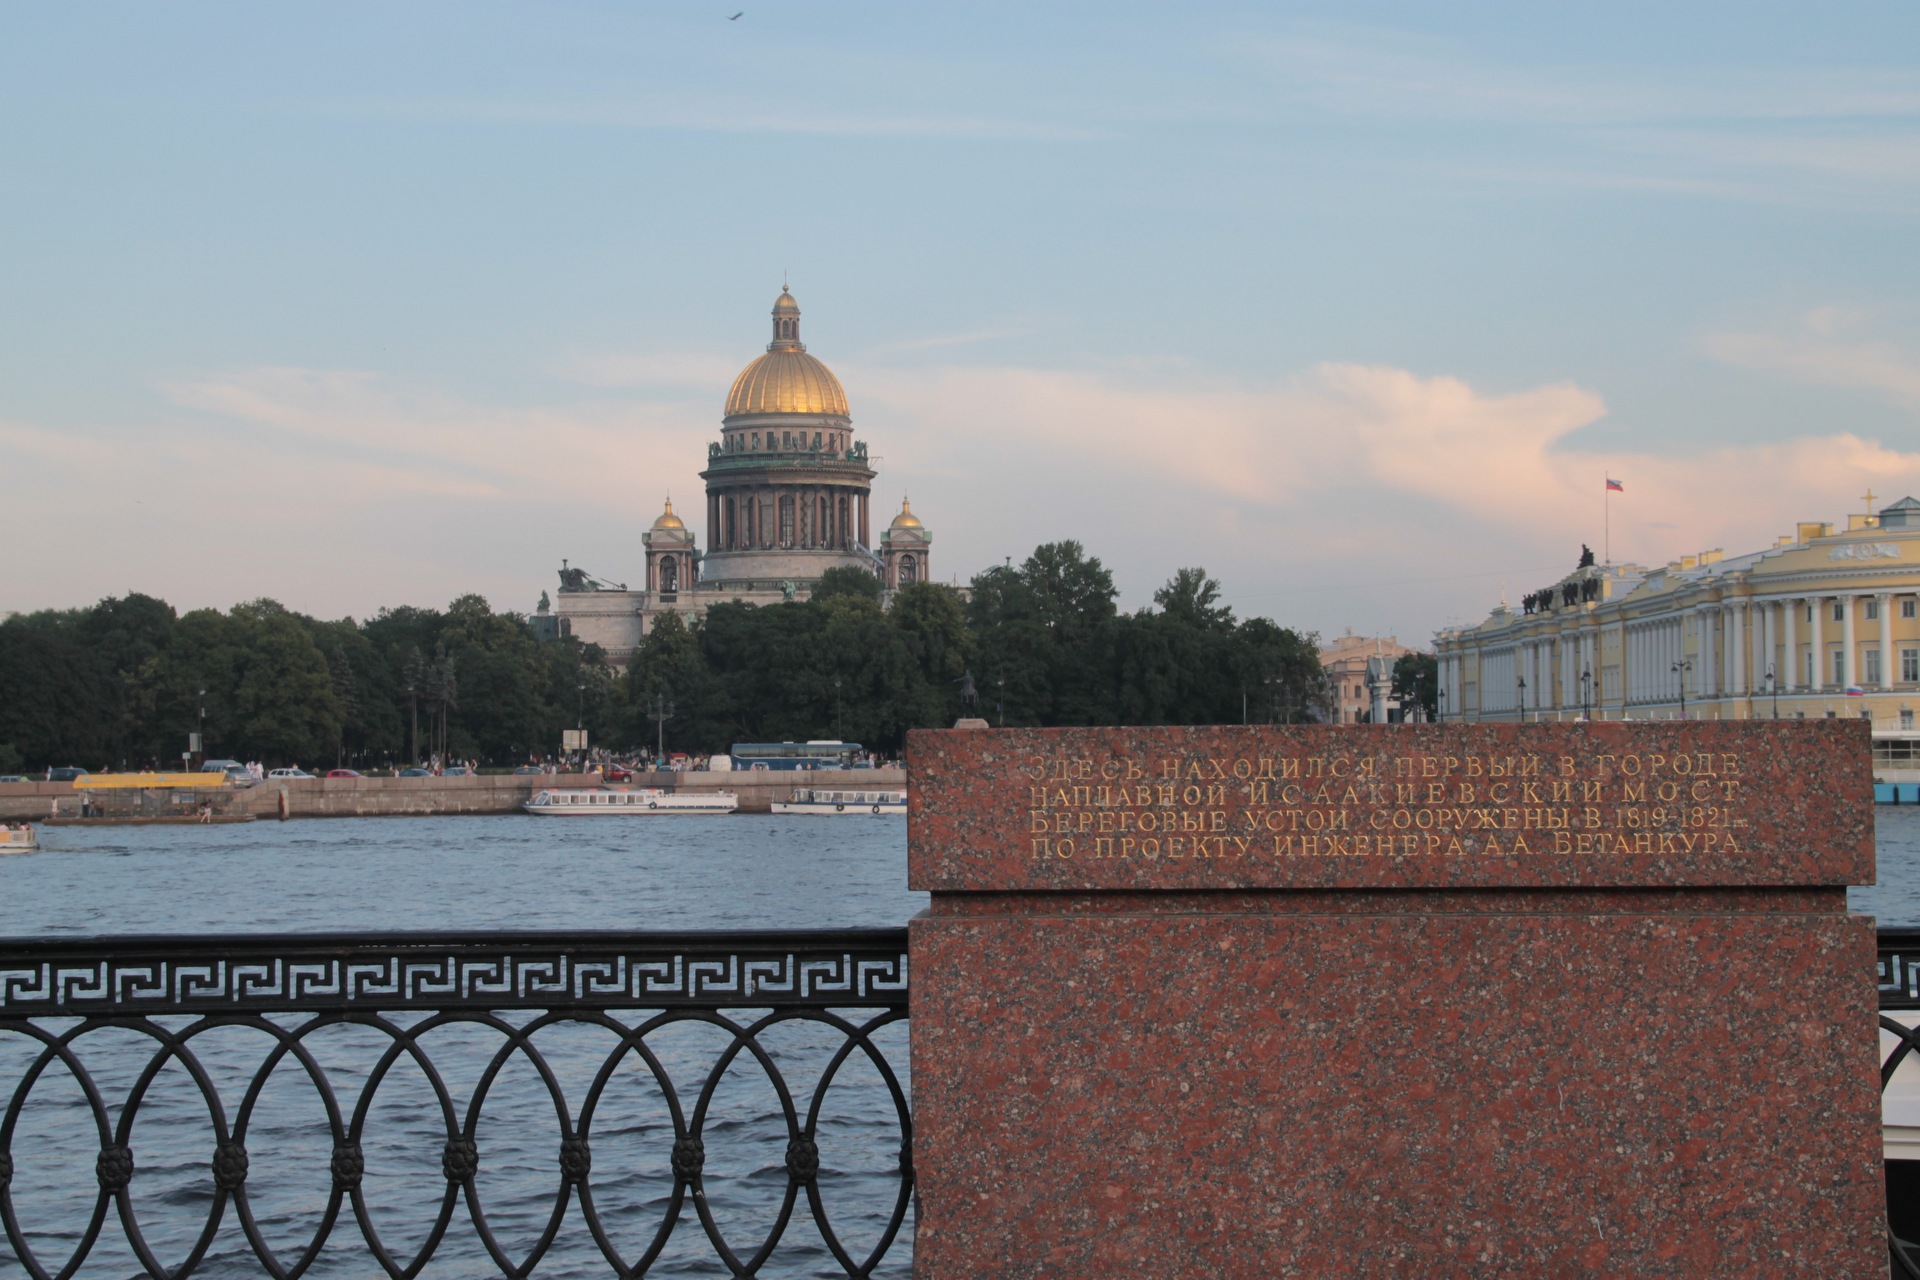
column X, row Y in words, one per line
column 597, row 802
column 814, row 800
column 18, row 838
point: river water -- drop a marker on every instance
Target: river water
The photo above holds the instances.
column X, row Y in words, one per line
column 739, row 872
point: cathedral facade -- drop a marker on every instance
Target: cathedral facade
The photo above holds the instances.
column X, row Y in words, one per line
column 788, row 497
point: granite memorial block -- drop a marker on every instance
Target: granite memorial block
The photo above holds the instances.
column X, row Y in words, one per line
column 1540, row 1000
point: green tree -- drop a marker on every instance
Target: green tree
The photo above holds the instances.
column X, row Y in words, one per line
column 1416, row 683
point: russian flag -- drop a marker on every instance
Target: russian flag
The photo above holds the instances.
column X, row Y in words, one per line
column 1855, row 691
column 1615, row 485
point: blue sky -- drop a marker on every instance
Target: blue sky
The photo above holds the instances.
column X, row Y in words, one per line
column 1352, row 305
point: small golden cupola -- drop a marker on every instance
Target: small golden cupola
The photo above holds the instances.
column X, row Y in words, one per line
column 906, row 549
column 672, row 562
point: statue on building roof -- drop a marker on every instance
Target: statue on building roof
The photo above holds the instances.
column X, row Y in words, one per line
column 1586, row 556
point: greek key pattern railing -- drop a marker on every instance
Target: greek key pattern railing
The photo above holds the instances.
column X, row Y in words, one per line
column 277, row 975
column 642, row 1036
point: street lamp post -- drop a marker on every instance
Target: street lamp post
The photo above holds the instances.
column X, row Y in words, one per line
column 1523, row 699
column 836, row 708
column 1773, row 691
column 1586, row 693
column 203, row 724
column 1681, row 668
column 580, row 718
column 662, row 711
column 1000, row 700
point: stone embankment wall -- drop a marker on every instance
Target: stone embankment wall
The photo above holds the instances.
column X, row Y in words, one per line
column 489, row 793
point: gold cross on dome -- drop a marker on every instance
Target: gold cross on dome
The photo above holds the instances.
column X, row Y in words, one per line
column 1867, row 498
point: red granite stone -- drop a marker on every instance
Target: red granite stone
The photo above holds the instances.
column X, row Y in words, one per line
column 1500, row 1059
column 1649, row 804
column 1438, row 1095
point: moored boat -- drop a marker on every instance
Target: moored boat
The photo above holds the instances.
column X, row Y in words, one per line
column 18, row 838
column 819, row 801
column 599, row 802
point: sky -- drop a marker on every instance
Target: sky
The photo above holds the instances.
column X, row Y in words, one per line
column 1356, row 306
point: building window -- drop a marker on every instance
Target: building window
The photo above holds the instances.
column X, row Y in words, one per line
column 756, row 442
column 1839, row 666
column 786, row 519
column 669, row 575
column 1870, row 661
column 816, row 439
column 909, row 572
column 1873, row 610
column 1839, row 611
column 1907, row 607
column 1809, row 613
column 786, row 439
column 1910, row 666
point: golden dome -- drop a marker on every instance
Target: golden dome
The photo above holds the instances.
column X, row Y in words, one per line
column 668, row 520
column 787, row 380
column 906, row 519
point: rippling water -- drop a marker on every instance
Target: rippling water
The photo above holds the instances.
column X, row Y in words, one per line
column 735, row 872
column 496, row 873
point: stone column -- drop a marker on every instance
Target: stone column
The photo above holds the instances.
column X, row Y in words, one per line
column 1772, row 640
column 1850, row 655
column 1817, row 643
column 1790, row 642
column 1737, row 643
column 1885, row 600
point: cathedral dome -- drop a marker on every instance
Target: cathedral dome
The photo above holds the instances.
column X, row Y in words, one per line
column 786, row 379
column 668, row 520
column 906, row 519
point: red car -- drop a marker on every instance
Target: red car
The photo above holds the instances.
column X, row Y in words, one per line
column 617, row 773
column 344, row 773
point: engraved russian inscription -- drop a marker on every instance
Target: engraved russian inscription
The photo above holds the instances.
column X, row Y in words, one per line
column 1334, row 804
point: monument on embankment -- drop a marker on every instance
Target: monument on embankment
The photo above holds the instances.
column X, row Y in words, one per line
column 1515, row 1000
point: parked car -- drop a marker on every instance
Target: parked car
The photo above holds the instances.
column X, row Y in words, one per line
column 616, row 773
column 238, row 774
column 416, row 773
column 345, row 773
column 11, row 777
column 66, row 774
column 526, row 769
column 456, row 771
column 279, row 775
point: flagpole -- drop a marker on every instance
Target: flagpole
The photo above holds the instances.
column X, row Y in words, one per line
column 1606, row 516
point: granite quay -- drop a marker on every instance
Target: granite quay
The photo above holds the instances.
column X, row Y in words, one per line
column 401, row 797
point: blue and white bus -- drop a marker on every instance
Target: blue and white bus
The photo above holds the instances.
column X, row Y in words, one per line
column 832, row 754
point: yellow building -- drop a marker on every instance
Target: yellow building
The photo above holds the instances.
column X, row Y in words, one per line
column 1822, row 623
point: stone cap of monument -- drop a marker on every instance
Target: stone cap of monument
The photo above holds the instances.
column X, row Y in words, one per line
column 1652, row 804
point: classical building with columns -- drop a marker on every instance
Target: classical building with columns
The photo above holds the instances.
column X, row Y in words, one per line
column 1823, row 623
column 788, row 493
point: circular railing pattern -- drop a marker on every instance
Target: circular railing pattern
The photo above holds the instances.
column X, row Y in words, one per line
column 689, row 1105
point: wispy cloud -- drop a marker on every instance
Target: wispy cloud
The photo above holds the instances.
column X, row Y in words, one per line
column 1827, row 352
column 686, row 114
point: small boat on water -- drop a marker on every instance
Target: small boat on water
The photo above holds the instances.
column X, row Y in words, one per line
column 18, row 838
column 597, row 802
column 829, row 803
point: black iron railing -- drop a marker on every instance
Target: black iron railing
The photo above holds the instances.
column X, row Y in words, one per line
column 671, row 1047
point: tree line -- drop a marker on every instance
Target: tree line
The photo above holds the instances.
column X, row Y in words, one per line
column 122, row 684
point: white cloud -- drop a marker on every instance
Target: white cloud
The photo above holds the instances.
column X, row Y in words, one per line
column 1347, row 494
column 1825, row 353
